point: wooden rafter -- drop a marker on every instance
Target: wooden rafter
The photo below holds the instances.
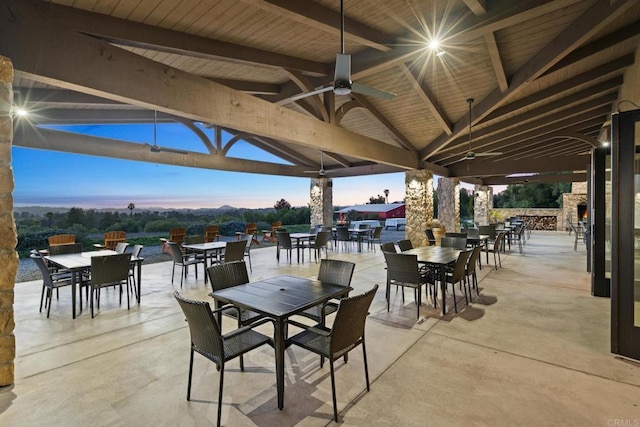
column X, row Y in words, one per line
column 592, row 21
column 498, row 68
column 317, row 16
column 478, row 7
column 306, row 86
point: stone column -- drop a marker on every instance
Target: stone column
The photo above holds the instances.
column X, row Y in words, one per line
column 418, row 205
column 321, row 205
column 482, row 203
column 8, row 238
column 449, row 203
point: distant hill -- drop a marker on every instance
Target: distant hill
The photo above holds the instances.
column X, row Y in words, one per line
column 42, row 210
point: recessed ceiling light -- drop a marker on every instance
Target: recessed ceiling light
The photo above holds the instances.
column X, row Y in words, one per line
column 21, row 112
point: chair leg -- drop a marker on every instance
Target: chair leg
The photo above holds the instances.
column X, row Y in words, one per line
column 42, row 297
column 173, row 272
column 366, row 367
column 190, row 372
column 333, row 392
column 455, row 303
column 220, row 394
column 49, row 299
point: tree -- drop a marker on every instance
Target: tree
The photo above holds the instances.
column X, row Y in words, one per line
column 532, row 195
column 49, row 216
column 282, row 204
column 131, row 207
column 380, row 200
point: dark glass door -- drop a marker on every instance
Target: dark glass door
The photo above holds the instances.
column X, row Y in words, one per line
column 625, row 234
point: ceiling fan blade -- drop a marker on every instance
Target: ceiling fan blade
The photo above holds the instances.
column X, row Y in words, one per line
column 313, row 92
column 343, row 67
column 496, row 153
column 158, row 149
column 371, row 91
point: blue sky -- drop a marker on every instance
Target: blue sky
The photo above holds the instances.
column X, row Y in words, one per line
column 49, row 178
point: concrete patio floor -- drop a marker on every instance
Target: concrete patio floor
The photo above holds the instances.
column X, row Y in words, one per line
column 532, row 350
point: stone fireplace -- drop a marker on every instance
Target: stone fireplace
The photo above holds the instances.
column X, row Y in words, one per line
column 574, row 205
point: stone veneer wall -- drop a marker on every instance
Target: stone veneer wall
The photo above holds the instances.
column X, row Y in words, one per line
column 449, row 203
column 482, row 203
column 321, row 204
column 419, row 205
column 502, row 213
column 8, row 238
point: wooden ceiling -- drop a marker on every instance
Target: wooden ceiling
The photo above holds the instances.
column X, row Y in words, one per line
column 544, row 75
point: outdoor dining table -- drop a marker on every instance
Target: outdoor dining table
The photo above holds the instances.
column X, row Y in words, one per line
column 483, row 240
column 300, row 237
column 437, row 258
column 204, row 249
column 79, row 262
column 279, row 298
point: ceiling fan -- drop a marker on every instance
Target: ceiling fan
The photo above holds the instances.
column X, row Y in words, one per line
column 342, row 84
column 471, row 155
column 321, row 171
column 155, row 148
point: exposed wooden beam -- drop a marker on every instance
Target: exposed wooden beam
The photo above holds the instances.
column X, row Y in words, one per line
column 424, row 93
column 537, row 118
column 254, row 88
column 70, row 116
column 496, row 61
column 48, row 97
column 478, row 7
column 586, row 78
column 281, row 151
column 317, row 16
column 306, row 86
column 597, row 17
column 152, row 37
column 388, row 126
column 114, row 73
column 523, row 136
column 47, row 139
column 480, row 168
column 345, row 108
column 605, row 42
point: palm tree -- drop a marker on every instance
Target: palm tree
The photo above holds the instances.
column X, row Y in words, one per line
column 131, row 207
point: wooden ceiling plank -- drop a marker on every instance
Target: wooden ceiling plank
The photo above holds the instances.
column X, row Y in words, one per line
column 494, row 54
column 317, row 16
column 597, row 17
column 117, row 74
column 581, row 79
column 389, row 127
column 151, row 37
column 426, row 96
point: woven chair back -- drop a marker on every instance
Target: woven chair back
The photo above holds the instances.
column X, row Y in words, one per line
column 348, row 327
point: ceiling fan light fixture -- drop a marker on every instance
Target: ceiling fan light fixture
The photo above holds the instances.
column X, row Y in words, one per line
column 342, row 87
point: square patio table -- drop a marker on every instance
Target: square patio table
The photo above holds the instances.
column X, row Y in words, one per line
column 204, row 249
column 438, row 258
column 78, row 262
column 279, row 298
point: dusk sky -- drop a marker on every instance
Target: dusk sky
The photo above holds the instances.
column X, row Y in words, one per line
column 50, row 178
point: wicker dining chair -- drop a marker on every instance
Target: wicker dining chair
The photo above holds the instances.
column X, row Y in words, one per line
column 470, row 270
column 234, row 251
column 346, row 333
column 457, row 274
column 183, row 260
column 388, row 247
column 50, row 281
column 403, row 270
column 319, row 243
column 109, row 270
column 207, row 340
column 335, row 272
column 430, row 237
column 405, row 245
column 227, row 275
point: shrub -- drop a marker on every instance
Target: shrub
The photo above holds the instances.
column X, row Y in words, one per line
column 162, row 225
